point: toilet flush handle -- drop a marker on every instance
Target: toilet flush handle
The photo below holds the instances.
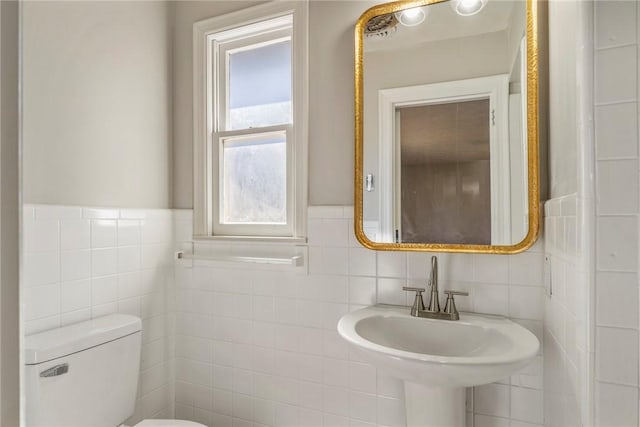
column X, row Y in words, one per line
column 55, row 371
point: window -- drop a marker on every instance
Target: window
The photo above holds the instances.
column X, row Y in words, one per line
column 250, row 122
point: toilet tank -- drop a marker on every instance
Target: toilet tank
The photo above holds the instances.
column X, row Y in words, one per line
column 84, row 374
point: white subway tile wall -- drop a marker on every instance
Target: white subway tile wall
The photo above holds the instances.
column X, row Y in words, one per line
column 565, row 322
column 616, row 133
column 81, row 263
column 259, row 347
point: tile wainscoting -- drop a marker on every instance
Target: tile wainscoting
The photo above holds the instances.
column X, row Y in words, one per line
column 565, row 323
column 257, row 347
column 81, row 263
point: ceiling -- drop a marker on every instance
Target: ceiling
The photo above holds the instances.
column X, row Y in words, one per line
column 442, row 23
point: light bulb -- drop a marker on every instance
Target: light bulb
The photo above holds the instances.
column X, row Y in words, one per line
column 412, row 13
column 467, row 7
column 411, row 17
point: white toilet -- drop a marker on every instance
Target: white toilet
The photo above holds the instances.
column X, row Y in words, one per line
column 86, row 375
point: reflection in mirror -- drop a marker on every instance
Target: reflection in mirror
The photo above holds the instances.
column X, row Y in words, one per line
column 444, row 162
column 444, row 151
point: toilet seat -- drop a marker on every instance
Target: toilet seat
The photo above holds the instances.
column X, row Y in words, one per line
column 168, row 423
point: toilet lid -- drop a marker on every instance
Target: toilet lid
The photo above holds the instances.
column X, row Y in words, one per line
column 168, row 423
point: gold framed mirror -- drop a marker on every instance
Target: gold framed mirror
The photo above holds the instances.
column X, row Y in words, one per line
column 446, row 126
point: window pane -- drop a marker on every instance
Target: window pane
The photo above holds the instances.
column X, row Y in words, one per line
column 260, row 86
column 254, row 176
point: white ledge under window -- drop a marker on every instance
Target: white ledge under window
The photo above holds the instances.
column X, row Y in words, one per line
column 293, row 261
column 252, row 254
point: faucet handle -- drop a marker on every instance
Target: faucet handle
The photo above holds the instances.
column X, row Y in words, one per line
column 450, row 305
column 418, row 303
column 463, row 293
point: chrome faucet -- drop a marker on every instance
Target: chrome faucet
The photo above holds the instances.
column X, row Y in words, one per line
column 434, row 300
column 433, row 309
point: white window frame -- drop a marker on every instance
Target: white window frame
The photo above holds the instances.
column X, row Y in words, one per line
column 207, row 133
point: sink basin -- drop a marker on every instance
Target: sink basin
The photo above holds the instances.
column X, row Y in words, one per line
column 477, row 349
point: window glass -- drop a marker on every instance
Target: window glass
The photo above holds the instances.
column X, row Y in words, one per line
column 260, row 86
column 254, row 176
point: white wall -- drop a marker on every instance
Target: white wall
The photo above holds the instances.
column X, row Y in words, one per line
column 616, row 80
column 9, row 216
column 96, row 103
column 591, row 326
column 568, row 227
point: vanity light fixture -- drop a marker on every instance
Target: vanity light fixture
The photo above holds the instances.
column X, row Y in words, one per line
column 467, row 7
column 411, row 17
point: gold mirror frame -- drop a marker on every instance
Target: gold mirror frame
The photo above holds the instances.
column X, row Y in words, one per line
column 532, row 139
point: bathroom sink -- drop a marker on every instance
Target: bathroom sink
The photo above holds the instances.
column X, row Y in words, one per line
column 477, row 349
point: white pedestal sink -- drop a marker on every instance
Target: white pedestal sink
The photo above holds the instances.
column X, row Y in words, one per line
column 437, row 359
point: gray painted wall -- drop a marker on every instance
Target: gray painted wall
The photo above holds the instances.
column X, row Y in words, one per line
column 330, row 94
column 138, row 74
column 186, row 13
column 97, row 103
column 331, row 122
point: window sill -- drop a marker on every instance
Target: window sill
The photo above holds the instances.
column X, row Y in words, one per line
column 252, row 252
